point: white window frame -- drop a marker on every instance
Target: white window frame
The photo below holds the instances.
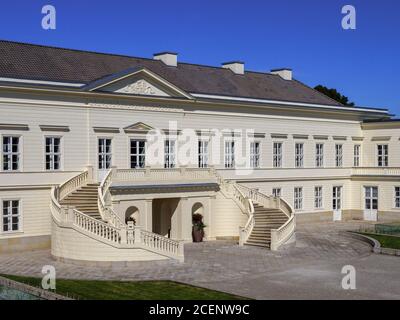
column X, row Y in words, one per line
column 229, row 154
column 105, row 154
column 277, row 192
column 52, row 153
column 319, row 155
column 339, row 155
column 298, row 198
column 170, row 156
column 277, row 154
column 357, row 155
column 203, row 148
column 137, row 155
column 318, row 197
column 20, row 217
column 397, row 197
column 299, row 155
column 383, row 157
column 11, row 153
column 340, row 198
column 255, row 153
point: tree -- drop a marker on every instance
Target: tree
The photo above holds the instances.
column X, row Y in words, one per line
column 335, row 95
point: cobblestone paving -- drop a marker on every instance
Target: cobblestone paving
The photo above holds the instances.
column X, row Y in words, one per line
column 309, row 269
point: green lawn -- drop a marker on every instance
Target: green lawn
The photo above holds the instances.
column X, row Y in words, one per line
column 118, row 290
column 385, row 240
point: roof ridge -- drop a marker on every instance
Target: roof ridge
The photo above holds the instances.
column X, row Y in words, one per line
column 124, row 56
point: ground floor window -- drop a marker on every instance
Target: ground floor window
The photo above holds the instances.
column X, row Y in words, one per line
column 337, row 198
column 138, row 154
column 318, row 197
column 371, row 198
column 397, row 197
column 11, row 216
column 298, row 198
column 276, row 192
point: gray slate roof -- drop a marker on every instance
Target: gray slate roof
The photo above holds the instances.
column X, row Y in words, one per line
column 36, row 62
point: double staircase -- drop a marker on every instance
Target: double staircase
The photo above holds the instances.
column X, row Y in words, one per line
column 265, row 220
column 84, row 200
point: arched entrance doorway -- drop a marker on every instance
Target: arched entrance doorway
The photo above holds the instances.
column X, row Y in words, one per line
column 132, row 213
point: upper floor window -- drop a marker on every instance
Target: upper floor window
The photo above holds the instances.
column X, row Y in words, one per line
column 104, row 153
column 138, row 154
column 319, row 155
column 203, row 153
column 277, row 155
column 383, row 155
column 318, row 197
column 255, row 154
column 397, row 197
column 299, row 155
column 11, row 153
column 170, row 154
column 53, row 153
column 229, row 154
column 298, row 198
column 357, row 155
column 276, row 192
column 339, row 155
column 11, row 216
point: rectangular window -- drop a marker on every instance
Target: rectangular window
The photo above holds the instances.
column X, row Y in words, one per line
column 255, row 154
column 383, row 155
column 339, row 155
column 138, row 154
column 357, row 155
column 318, row 197
column 104, row 151
column 229, row 154
column 277, row 155
column 298, row 198
column 337, row 198
column 170, row 154
column 397, row 197
column 276, row 192
column 203, row 153
column 299, row 155
column 53, row 153
column 11, row 216
column 11, row 153
column 319, row 155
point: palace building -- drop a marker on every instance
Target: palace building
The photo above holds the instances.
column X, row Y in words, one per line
column 106, row 158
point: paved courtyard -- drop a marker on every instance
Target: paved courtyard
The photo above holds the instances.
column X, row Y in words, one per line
column 310, row 269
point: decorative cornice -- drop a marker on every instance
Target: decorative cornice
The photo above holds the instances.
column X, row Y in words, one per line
column 343, row 138
column 106, row 129
column 54, row 128
column 279, row 135
column 300, row 136
column 383, row 138
column 357, row 138
column 320, row 137
column 132, row 107
column 10, row 126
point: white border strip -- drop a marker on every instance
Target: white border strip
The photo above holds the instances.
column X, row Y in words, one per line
column 53, row 83
column 209, row 96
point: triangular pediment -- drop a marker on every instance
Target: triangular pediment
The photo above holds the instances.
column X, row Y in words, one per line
column 138, row 127
column 137, row 82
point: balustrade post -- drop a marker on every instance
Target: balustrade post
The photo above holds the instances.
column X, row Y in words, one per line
column 131, row 232
column 137, row 234
column 69, row 215
column 183, row 171
column 90, row 177
column 147, row 171
column 113, row 174
column 241, row 236
column 123, row 234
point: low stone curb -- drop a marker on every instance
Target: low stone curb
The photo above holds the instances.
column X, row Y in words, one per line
column 38, row 292
column 376, row 246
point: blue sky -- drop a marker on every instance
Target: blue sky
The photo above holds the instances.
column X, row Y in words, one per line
column 305, row 35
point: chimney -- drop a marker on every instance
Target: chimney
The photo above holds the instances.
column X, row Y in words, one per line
column 284, row 73
column 169, row 58
column 236, row 67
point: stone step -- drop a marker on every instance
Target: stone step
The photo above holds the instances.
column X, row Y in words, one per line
column 257, row 244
